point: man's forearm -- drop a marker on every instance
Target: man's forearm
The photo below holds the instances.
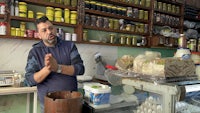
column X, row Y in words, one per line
column 41, row 75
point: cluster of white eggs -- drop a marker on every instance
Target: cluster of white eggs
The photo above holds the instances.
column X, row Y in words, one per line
column 150, row 105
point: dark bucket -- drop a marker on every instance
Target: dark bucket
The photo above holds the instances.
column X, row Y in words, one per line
column 63, row 102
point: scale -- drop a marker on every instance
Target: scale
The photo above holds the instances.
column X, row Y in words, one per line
column 6, row 78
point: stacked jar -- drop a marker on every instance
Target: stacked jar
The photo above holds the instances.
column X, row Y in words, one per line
column 58, row 15
column 22, row 9
column 66, row 15
column 73, row 17
column 50, row 13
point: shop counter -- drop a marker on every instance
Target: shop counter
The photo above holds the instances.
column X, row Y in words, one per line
column 22, row 90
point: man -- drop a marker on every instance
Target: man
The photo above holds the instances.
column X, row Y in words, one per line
column 52, row 63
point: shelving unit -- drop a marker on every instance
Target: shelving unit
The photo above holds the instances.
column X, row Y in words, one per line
column 80, row 27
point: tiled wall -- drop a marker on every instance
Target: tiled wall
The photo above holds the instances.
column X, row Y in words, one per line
column 13, row 54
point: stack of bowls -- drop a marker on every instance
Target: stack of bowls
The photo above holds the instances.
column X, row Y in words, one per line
column 22, row 9
column 58, row 15
column 50, row 13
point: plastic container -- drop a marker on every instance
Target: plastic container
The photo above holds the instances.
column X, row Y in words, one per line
column 97, row 95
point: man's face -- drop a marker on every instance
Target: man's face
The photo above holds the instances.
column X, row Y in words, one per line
column 47, row 32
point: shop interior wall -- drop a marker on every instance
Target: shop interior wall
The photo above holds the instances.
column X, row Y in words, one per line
column 14, row 53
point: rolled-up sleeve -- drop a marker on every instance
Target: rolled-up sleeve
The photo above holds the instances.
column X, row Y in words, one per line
column 76, row 60
column 31, row 68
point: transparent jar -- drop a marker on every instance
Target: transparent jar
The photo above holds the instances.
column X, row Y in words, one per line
column 93, row 20
column 159, row 5
column 66, row 2
column 182, row 42
column 192, row 45
column 134, row 40
column 116, row 24
column 148, row 3
column 99, row 21
column 112, row 38
column 18, row 32
column 129, row 12
column 141, row 14
column 73, row 3
column 111, row 26
column 146, row 15
column 22, row 25
column 85, row 35
column 128, row 40
column 122, row 39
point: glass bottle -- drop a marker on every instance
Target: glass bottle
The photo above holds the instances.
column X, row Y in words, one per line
column 16, row 8
column 12, row 12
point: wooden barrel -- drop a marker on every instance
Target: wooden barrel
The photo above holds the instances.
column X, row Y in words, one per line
column 63, row 102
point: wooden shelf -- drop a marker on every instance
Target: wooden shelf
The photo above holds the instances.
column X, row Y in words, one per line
column 33, row 20
column 96, row 12
column 124, row 4
column 170, row 2
column 17, row 37
column 109, row 44
column 43, row 3
column 192, row 19
column 168, row 13
column 162, row 24
column 112, row 30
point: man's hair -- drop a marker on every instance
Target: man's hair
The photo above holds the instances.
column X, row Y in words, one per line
column 43, row 19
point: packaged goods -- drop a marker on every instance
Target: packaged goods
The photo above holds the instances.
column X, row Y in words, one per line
column 97, row 95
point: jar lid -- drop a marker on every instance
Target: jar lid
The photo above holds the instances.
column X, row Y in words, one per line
column 40, row 13
column 49, row 7
column 92, row 2
column 58, row 9
column 66, row 9
column 22, row 3
column 73, row 11
column 30, row 11
column 87, row 1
